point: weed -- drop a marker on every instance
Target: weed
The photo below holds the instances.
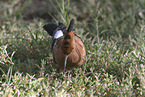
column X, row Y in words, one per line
column 113, row 33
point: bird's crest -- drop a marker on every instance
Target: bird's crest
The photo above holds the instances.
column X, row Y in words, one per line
column 68, row 40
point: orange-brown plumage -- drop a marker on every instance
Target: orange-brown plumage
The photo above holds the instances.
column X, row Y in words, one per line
column 69, row 50
column 68, row 39
column 75, row 58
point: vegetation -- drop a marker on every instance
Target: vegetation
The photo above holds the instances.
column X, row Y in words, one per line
column 113, row 32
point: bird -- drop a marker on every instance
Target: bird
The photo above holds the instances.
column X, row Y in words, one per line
column 67, row 47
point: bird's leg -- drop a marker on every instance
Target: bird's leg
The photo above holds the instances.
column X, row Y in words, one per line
column 65, row 61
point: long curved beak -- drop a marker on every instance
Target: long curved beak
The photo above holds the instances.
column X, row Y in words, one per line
column 68, row 42
column 65, row 61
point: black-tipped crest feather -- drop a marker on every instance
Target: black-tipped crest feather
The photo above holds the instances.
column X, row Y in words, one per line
column 71, row 25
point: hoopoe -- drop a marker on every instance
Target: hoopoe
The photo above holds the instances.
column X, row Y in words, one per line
column 67, row 47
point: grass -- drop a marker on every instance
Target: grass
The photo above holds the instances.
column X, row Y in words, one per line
column 113, row 32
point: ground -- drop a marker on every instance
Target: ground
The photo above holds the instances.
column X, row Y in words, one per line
column 112, row 31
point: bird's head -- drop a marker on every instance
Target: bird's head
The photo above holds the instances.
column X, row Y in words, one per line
column 68, row 40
